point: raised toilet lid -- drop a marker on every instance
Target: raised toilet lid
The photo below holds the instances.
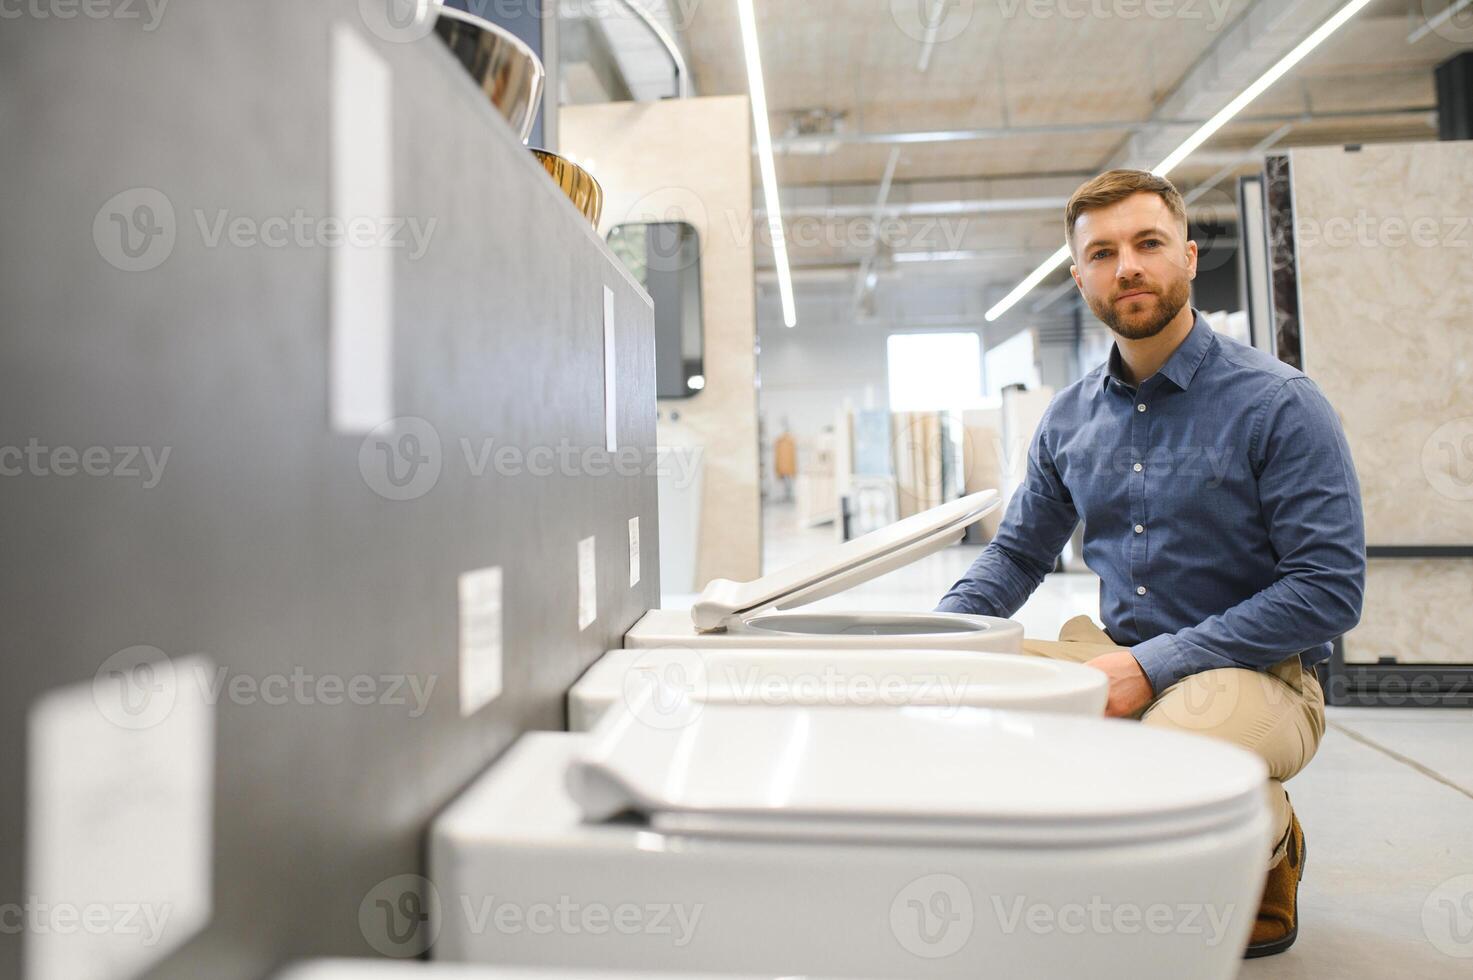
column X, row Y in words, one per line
column 924, row 774
column 844, row 567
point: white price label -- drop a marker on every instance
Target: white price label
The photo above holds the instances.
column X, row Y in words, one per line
column 480, row 639
column 587, row 584
column 611, row 407
column 633, row 552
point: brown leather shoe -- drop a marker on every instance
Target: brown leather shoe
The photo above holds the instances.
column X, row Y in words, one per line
column 1278, row 915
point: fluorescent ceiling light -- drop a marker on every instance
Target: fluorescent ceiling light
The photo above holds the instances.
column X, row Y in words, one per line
column 1202, row 135
column 764, row 160
column 1026, row 286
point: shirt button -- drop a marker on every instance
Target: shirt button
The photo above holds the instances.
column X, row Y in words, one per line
column 1140, row 408
column 1140, row 529
column 1138, row 467
column 1140, row 590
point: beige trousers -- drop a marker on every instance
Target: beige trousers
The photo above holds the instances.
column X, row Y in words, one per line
column 1277, row 714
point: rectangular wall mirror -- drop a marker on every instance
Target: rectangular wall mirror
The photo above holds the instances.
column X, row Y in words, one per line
column 665, row 256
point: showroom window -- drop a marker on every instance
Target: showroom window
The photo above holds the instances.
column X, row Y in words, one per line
column 934, row 372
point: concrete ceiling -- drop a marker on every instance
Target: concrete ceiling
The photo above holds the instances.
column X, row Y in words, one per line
column 1055, row 94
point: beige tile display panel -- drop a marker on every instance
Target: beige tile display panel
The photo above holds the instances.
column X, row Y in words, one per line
column 691, row 160
column 1416, row 611
column 982, row 460
column 917, row 461
column 1385, row 241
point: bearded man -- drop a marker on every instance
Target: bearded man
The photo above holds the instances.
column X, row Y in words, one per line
column 1221, row 512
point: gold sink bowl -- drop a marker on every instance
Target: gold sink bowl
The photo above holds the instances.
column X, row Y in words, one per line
column 585, row 193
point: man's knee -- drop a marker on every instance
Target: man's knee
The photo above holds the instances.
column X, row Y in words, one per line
column 1253, row 709
column 1204, row 702
column 1082, row 629
column 1073, row 652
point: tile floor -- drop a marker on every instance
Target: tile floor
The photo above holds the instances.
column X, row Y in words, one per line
column 1387, row 804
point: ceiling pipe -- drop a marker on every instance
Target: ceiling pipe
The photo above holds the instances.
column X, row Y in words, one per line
column 862, row 284
column 846, row 267
column 933, row 27
column 1258, row 150
column 1434, row 23
column 1001, row 205
column 1075, row 129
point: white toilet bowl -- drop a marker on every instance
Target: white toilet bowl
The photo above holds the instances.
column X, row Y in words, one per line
column 813, row 677
column 918, row 843
column 744, row 614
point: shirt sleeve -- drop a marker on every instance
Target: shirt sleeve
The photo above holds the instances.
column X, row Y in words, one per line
column 1038, row 521
column 1310, row 500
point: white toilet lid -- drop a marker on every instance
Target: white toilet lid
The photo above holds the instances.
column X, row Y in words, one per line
column 851, row 563
column 927, row 774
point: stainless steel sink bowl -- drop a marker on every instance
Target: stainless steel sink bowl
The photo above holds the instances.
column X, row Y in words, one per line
column 506, row 69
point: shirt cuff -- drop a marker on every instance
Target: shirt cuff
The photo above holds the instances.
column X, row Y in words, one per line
column 1163, row 661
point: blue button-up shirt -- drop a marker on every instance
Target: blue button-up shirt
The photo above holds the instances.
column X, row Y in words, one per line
column 1221, row 512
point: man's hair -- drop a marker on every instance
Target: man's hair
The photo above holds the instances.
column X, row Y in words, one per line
column 1113, row 186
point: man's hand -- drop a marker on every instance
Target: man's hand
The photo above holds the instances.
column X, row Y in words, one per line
column 1130, row 690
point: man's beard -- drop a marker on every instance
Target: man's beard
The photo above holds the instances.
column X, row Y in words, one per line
column 1168, row 305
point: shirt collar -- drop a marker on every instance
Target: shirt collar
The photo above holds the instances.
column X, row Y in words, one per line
column 1183, row 363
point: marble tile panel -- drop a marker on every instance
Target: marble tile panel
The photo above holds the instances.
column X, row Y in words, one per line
column 1385, row 249
column 1415, row 610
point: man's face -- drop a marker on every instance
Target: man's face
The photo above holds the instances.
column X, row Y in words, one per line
column 1133, row 265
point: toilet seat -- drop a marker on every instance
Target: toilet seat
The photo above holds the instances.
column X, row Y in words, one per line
column 725, row 603
column 755, row 613
column 965, row 776
column 827, row 678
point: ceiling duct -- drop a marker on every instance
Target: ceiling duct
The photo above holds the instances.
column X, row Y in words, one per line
column 1247, row 49
column 643, row 39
